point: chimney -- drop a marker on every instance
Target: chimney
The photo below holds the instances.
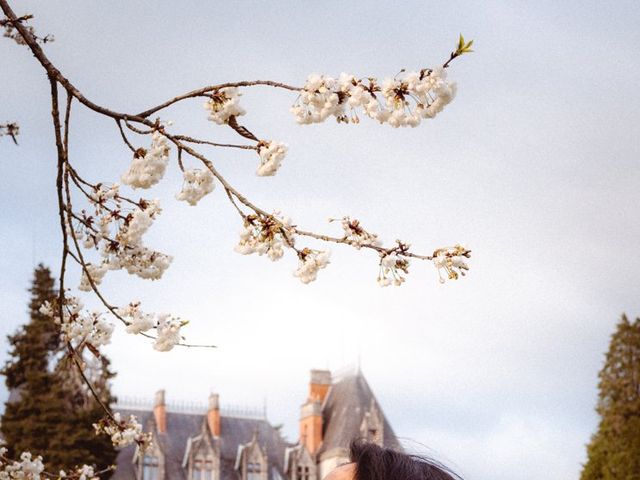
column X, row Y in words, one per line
column 311, row 411
column 319, row 385
column 311, row 425
column 160, row 412
column 213, row 414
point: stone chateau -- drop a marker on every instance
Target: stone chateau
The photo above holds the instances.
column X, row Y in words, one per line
column 224, row 446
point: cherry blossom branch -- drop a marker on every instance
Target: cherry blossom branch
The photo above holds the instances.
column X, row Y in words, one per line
column 402, row 101
column 188, row 139
column 75, row 356
column 9, row 26
column 212, row 88
column 218, row 97
column 79, row 258
column 29, row 468
column 212, row 91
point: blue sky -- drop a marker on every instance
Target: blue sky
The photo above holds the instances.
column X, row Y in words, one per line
column 534, row 166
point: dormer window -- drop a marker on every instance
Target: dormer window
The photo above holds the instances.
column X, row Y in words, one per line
column 303, row 473
column 254, row 470
column 203, row 468
column 299, row 464
column 150, row 467
column 251, row 460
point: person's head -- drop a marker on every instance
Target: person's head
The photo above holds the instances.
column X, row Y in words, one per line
column 371, row 462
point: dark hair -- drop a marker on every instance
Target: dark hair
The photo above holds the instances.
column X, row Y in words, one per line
column 378, row 463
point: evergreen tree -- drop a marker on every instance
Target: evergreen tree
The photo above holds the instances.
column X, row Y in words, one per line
column 614, row 451
column 50, row 412
column 33, row 344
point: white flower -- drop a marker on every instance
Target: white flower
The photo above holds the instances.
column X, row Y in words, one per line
column 310, row 261
column 103, row 193
column 390, row 270
column 197, row 183
column 77, row 326
column 85, row 472
column 317, row 100
column 271, row 155
column 96, row 272
column 87, row 327
column 123, row 432
column 138, row 321
column 168, row 333
column 451, row 261
column 224, row 104
column 27, row 468
column 265, row 235
column 141, row 261
column 356, row 235
column 401, row 102
column 138, row 222
column 148, row 167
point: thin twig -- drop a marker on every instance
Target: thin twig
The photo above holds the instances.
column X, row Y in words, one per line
column 186, row 138
column 124, row 137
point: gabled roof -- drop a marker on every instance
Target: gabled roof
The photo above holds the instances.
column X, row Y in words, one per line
column 236, row 432
column 343, row 411
column 181, row 427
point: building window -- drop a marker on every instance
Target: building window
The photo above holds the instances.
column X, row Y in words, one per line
column 303, row 473
column 203, row 468
column 150, row 468
column 254, row 470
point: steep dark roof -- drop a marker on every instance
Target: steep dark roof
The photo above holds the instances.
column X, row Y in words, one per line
column 235, row 431
column 345, row 406
column 347, row 402
column 239, row 431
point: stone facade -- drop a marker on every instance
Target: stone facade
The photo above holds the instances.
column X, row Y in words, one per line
column 214, row 446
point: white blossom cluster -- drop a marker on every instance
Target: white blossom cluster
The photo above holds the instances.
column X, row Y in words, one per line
column 310, row 262
column 123, row 432
column 271, row 156
column 401, row 101
column 103, row 193
column 85, row 472
column 148, row 166
column 168, row 332
column 28, row 468
column 89, row 327
column 197, row 183
column 141, row 261
column 223, row 104
column 137, row 223
column 391, row 268
column 96, row 272
column 137, row 320
column 356, row 235
column 167, row 327
column 118, row 238
column 79, row 327
column 265, row 235
column 451, row 261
